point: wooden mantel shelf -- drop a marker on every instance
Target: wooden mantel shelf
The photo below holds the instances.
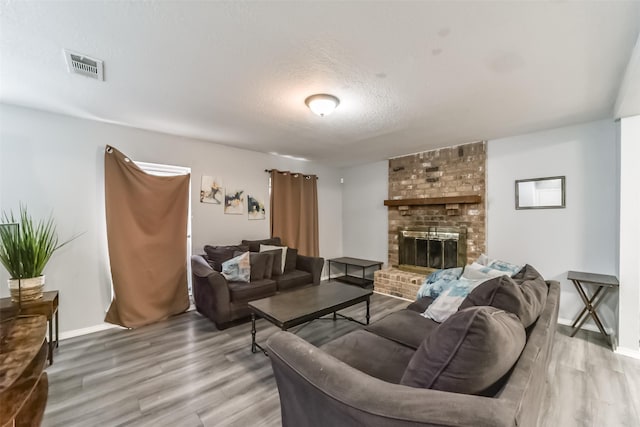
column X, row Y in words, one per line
column 434, row 201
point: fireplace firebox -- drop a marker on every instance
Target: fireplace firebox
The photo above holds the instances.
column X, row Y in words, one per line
column 427, row 248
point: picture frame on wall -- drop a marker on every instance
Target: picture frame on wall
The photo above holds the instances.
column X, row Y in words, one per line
column 211, row 190
column 255, row 208
column 234, row 202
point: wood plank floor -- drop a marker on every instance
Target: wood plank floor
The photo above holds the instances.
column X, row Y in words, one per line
column 184, row 372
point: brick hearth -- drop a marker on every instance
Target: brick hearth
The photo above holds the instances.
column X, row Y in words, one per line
column 399, row 283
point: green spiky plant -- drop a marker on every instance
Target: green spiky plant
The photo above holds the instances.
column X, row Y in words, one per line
column 24, row 252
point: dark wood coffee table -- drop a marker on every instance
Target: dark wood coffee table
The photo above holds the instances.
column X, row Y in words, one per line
column 294, row 308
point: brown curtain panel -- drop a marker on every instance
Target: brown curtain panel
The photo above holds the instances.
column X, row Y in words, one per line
column 294, row 210
column 147, row 238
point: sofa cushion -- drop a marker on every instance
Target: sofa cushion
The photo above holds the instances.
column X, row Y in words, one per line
column 525, row 300
column 294, row 279
column 268, row 268
column 276, row 267
column 291, row 260
column 406, row 327
column 216, row 255
column 526, row 273
column 283, row 249
column 254, row 245
column 241, row 291
column 469, row 353
column 237, row 269
column 420, row 305
column 376, row 356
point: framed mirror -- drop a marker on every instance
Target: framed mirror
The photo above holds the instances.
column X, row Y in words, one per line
column 540, row 193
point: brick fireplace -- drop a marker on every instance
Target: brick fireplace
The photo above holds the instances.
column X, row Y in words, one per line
column 443, row 189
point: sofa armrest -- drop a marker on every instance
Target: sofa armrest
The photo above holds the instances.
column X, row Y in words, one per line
column 311, row 265
column 317, row 389
column 210, row 291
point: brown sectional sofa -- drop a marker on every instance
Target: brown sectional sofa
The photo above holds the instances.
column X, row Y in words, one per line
column 225, row 302
column 360, row 379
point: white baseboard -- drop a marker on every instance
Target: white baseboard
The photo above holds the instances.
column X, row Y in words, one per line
column 586, row 326
column 393, row 296
column 628, row 352
column 85, row 331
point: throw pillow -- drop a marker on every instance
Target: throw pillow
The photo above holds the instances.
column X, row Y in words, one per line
column 268, row 269
column 469, row 353
column 291, row 261
column 526, row 273
column 449, row 300
column 496, row 264
column 258, row 262
column 254, row 245
column 237, row 269
column 438, row 281
column 507, row 267
column 525, row 300
column 477, row 271
column 216, row 255
column 264, row 248
column 276, row 255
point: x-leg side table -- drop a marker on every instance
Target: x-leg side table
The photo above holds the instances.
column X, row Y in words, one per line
column 604, row 283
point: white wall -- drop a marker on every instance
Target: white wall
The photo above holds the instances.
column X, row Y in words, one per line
column 581, row 237
column 629, row 316
column 364, row 216
column 54, row 163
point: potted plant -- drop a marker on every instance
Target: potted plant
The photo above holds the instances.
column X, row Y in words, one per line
column 25, row 248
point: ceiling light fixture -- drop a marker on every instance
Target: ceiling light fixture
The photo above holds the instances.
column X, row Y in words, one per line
column 322, row 104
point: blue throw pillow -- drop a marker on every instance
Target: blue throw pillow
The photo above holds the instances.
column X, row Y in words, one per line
column 450, row 299
column 438, row 281
column 237, row 269
column 507, row 267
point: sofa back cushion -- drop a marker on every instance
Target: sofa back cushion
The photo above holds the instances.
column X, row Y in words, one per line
column 283, row 249
column 468, row 353
column 276, row 255
column 216, row 255
column 258, row 262
column 524, row 298
column 254, row 245
column 291, row 260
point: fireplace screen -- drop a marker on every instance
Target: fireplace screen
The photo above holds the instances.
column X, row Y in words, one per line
column 433, row 247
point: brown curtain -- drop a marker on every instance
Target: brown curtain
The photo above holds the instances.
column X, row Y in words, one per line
column 147, row 238
column 294, row 210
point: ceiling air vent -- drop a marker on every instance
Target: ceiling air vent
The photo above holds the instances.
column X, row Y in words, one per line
column 82, row 64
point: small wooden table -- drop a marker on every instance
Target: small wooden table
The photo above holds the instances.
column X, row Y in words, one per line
column 604, row 283
column 46, row 306
column 354, row 262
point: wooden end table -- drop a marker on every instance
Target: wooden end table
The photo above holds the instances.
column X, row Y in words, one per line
column 604, row 283
column 46, row 306
column 354, row 262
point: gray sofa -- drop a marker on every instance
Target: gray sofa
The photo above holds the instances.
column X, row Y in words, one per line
column 356, row 379
column 226, row 302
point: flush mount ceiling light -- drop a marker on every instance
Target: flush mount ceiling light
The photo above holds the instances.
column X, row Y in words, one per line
column 322, row 104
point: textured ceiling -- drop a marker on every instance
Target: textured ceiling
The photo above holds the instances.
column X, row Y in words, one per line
column 411, row 76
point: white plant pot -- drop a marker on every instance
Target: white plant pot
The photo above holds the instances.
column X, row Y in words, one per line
column 30, row 288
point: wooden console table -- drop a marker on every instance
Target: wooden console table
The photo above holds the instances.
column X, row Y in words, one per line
column 354, row 262
column 23, row 384
column 46, row 306
column 604, row 283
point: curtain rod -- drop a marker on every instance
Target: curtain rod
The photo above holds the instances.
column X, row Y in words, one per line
column 292, row 173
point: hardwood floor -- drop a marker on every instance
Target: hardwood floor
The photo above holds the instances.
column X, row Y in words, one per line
column 184, row 372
